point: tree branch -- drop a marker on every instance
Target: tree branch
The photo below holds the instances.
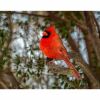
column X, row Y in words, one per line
column 53, row 17
column 93, row 32
column 80, row 24
column 98, row 27
column 56, row 69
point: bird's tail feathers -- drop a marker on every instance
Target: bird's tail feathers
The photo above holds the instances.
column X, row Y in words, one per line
column 74, row 72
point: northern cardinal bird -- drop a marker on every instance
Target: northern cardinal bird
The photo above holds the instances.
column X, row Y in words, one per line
column 52, row 46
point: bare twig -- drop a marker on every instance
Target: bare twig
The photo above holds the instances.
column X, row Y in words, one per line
column 56, row 69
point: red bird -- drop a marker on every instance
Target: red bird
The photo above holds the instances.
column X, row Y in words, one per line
column 52, row 46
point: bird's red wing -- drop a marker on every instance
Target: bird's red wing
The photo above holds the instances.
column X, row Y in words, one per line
column 60, row 47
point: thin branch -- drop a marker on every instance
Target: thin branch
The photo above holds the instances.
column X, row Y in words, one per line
column 80, row 24
column 10, row 29
column 35, row 14
column 56, row 69
column 53, row 17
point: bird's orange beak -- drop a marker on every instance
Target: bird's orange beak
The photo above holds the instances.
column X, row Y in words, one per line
column 45, row 33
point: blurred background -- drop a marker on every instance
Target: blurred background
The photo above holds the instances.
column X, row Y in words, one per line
column 23, row 65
